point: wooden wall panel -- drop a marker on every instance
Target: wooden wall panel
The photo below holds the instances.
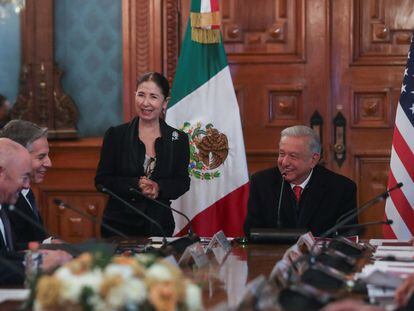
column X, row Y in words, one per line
column 69, row 224
column 372, row 172
column 369, row 50
column 151, row 39
column 284, row 80
column 275, row 33
column 71, row 179
column 289, row 59
column 371, row 107
column 382, row 31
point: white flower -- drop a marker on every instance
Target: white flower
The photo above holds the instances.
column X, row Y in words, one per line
column 124, row 271
column 193, row 297
column 97, row 303
column 131, row 291
column 37, row 306
column 72, row 285
column 159, row 272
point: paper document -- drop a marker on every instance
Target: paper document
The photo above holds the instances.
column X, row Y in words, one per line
column 13, row 294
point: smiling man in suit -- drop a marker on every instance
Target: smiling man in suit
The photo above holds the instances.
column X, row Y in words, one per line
column 34, row 139
column 15, row 174
column 313, row 197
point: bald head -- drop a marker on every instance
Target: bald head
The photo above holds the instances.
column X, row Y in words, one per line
column 15, row 168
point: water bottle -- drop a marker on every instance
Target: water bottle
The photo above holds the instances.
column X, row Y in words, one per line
column 33, row 262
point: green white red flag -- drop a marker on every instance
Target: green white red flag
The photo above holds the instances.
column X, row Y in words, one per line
column 204, row 105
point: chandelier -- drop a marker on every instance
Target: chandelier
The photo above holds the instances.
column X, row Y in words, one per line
column 8, row 6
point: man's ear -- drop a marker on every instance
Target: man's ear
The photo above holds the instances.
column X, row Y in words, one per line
column 315, row 159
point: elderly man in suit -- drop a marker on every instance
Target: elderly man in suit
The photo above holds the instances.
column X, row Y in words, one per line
column 15, row 168
column 34, row 139
column 15, row 173
column 313, row 197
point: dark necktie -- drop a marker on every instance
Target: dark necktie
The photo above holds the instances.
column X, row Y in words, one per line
column 297, row 190
column 7, row 229
column 32, row 201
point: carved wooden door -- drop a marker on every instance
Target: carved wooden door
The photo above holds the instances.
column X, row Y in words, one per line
column 370, row 41
column 293, row 61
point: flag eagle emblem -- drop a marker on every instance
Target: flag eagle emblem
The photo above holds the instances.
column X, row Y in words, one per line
column 209, row 149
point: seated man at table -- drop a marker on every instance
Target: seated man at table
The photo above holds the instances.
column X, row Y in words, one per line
column 313, row 197
column 34, row 139
column 15, row 168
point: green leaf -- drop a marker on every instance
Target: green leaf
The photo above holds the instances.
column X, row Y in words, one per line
column 86, row 293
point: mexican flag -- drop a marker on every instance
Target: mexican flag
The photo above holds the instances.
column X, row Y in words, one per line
column 204, row 105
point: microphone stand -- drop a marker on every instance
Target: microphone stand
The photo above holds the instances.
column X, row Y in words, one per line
column 371, row 223
column 190, row 226
column 13, row 209
column 279, row 235
column 282, row 187
column 93, row 219
column 312, row 256
column 181, row 243
column 358, row 211
column 137, row 211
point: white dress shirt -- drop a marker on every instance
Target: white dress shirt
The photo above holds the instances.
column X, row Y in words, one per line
column 3, row 233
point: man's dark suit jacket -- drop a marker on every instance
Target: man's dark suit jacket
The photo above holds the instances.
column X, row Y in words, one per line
column 11, row 265
column 25, row 232
column 326, row 197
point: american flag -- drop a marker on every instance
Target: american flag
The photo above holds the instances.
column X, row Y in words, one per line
column 400, row 205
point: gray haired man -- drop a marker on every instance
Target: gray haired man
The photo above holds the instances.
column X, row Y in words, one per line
column 313, row 197
column 34, row 139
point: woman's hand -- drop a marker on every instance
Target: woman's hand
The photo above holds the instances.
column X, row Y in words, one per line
column 148, row 187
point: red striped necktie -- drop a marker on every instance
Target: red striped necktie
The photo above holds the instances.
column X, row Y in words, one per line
column 297, row 190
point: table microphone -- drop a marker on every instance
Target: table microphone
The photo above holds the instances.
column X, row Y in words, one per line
column 93, row 219
column 340, row 244
column 13, row 209
column 278, row 235
column 312, row 256
column 137, row 211
column 181, row 243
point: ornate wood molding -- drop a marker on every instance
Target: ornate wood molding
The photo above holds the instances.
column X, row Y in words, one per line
column 41, row 98
column 150, row 42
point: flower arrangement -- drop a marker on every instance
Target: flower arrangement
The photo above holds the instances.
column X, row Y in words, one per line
column 93, row 283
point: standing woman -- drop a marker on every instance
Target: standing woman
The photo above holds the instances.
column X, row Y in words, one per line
column 148, row 155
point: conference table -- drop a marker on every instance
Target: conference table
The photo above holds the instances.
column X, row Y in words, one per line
column 224, row 283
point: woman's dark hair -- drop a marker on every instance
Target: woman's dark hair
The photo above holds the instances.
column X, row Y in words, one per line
column 158, row 79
